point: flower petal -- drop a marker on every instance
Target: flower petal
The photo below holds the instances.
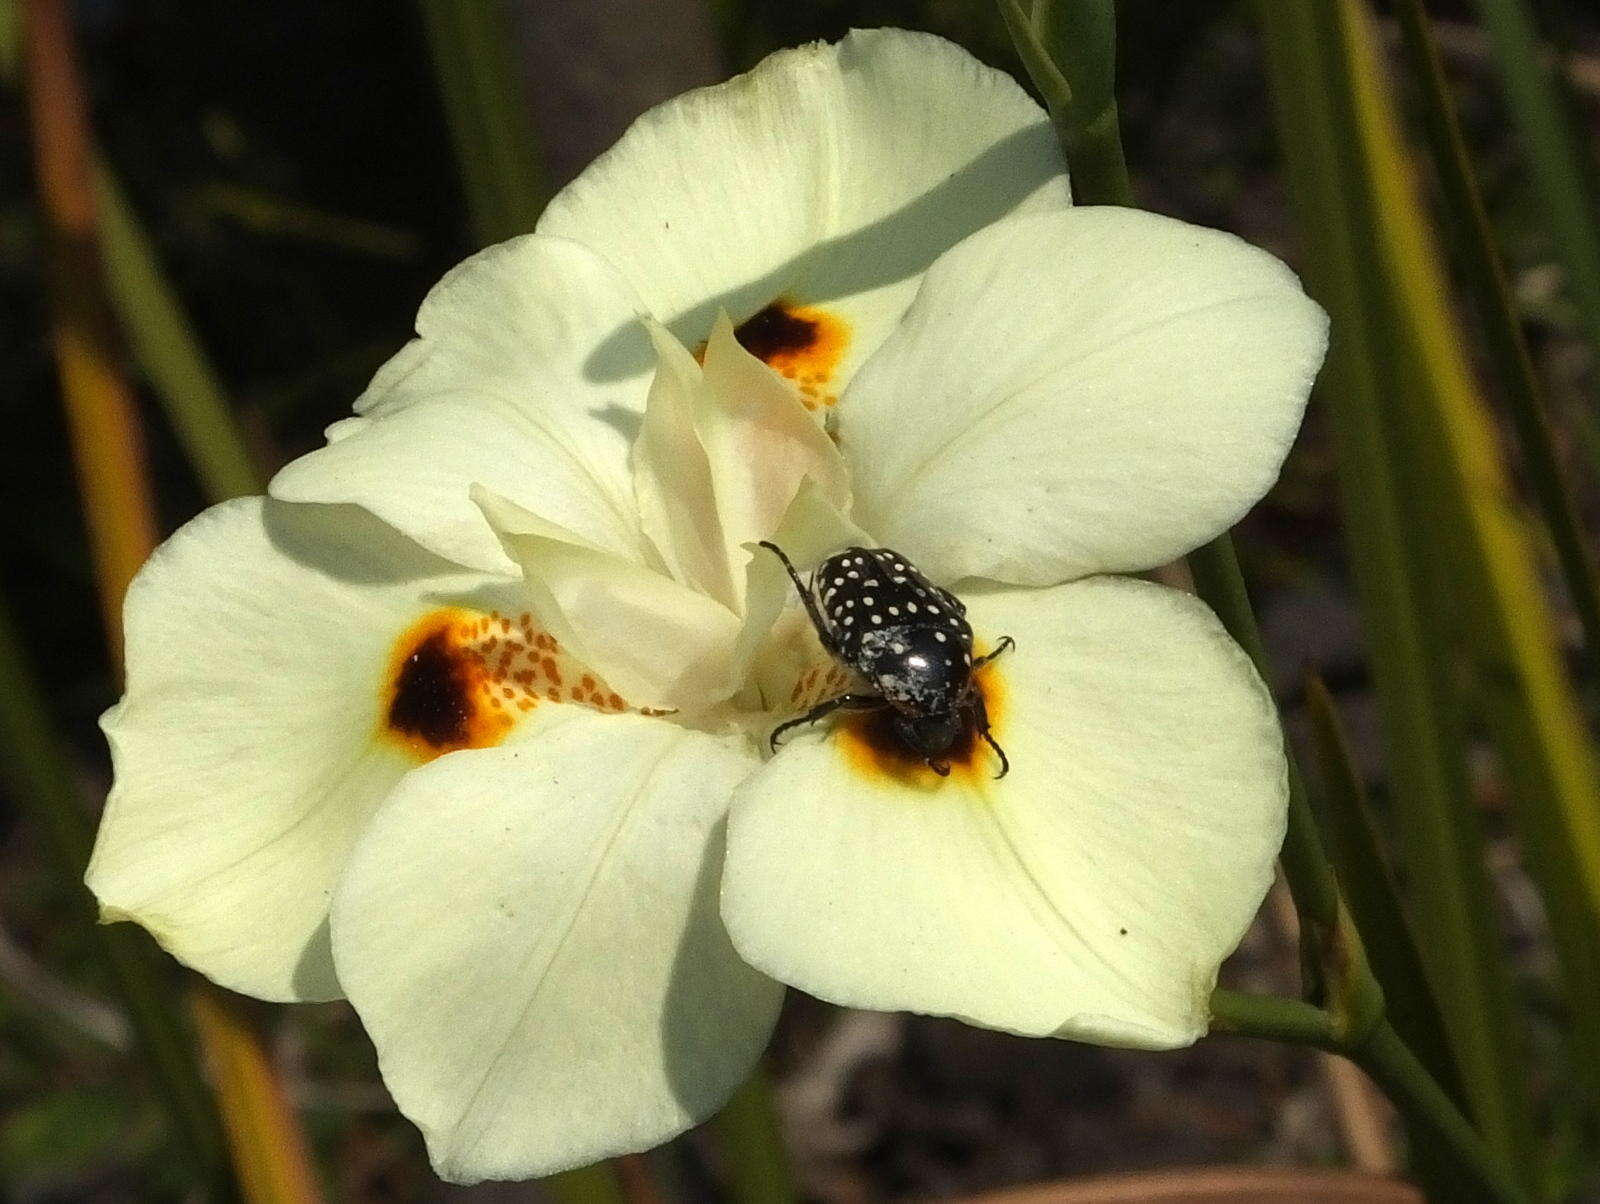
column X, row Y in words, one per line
column 674, row 477
column 664, row 645
column 829, row 174
column 530, row 935
column 723, row 453
column 1091, row 893
column 1087, row 391
column 251, row 745
column 762, row 445
column 495, row 391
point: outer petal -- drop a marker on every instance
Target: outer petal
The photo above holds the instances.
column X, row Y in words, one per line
column 829, row 174
column 494, row 391
column 1087, row 391
column 247, row 749
column 1092, row 892
column 530, row 934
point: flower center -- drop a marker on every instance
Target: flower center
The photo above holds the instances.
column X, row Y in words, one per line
column 873, row 749
column 802, row 342
column 458, row 679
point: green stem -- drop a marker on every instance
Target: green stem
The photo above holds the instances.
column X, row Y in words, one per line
column 751, row 1140
column 595, row 1184
column 1384, row 1056
column 1404, row 1079
column 1272, row 1018
column 1353, row 1023
column 494, row 146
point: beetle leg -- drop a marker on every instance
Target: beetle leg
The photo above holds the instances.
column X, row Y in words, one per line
column 1006, row 644
column 980, row 717
column 806, row 598
column 849, row 702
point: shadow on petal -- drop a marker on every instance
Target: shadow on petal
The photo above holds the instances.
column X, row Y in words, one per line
column 695, row 1018
column 889, row 250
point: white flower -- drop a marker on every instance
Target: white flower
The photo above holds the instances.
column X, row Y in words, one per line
column 460, row 722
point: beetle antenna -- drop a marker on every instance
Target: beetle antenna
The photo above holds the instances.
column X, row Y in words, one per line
column 806, row 599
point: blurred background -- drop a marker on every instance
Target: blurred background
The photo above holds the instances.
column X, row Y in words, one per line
column 292, row 177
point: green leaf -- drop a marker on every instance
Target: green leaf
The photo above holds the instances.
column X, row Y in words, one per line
column 167, row 349
column 1314, row 89
column 67, row 1131
column 488, row 122
column 37, row 770
column 1553, row 148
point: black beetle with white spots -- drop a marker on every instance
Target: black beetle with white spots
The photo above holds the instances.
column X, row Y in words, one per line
column 877, row 614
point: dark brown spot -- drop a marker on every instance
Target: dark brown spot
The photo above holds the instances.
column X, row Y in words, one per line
column 434, row 695
column 776, row 332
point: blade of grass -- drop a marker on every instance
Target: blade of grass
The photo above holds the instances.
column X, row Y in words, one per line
column 1441, row 844
column 1473, row 239
column 469, row 40
column 40, row 776
column 167, row 349
column 120, row 512
column 1554, row 151
column 1507, row 634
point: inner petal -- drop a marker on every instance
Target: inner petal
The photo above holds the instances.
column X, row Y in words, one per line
column 805, row 343
column 459, row 678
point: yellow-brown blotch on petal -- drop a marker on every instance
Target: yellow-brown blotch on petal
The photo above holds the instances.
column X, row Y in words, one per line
column 867, row 741
column 459, row 678
column 802, row 342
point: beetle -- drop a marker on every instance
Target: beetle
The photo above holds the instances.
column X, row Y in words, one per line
column 876, row 613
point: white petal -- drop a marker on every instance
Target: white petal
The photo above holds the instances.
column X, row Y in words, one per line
column 1091, row 893
column 249, row 747
column 762, row 444
column 663, row 644
column 673, row 476
column 830, row 174
column 530, row 935
column 503, row 387
column 721, row 457
column 1087, row 391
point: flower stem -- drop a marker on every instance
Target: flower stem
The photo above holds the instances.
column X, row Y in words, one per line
column 1383, row 1055
column 752, row 1142
column 1100, row 177
column 1348, row 1015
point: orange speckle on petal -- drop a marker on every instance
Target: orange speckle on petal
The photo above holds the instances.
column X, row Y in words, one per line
column 451, row 684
